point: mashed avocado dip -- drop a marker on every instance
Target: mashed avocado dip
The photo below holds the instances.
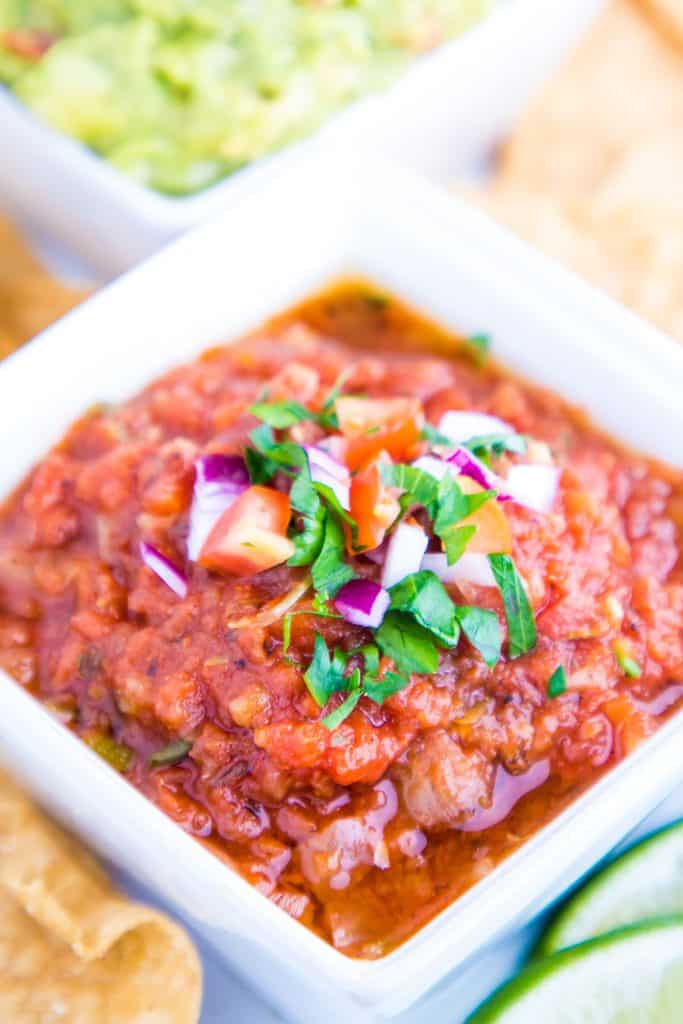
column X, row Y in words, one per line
column 180, row 93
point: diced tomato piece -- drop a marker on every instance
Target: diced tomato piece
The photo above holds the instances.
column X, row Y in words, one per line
column 493, row 530
column 376, row 424
column 374, row 505
column 251, row 535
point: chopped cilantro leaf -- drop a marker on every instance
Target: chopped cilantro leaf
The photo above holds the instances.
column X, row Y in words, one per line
column 308, row 540
column 497, row 444
column 342, row 712
column 452, row 504
column 409, row 645
column 434, row 437
column 326, row 492
column 557, row 684
column 423, row 595
column 284, row 454
column 482, row 629
column 455, row 539
column 380, row 689
column 420, row 487
column 518, row 611
column 330, row 571
column 261, row 469
column 325, row 675
column 319, row 610
column 281, row 414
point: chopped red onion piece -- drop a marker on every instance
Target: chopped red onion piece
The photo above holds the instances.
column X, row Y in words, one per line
column 219, row 481
column 471, row 567
column 164, row 569
column 222, row 470
column 460, row 425
column 327, row 470
column 534, row 486
column 362, row 603
column 469, row 465
column 405, row 550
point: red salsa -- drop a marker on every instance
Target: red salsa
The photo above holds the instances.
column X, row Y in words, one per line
column 356, row 607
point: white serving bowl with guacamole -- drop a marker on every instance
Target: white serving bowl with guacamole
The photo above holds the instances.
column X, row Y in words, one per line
column 126, row 121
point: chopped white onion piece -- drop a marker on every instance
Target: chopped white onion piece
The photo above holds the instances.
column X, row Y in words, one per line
column 406, row 547
column 460, row 425
column 471, row 567
column 534, row 486
column 326, row 470
column 431, row 464
column 219, row 481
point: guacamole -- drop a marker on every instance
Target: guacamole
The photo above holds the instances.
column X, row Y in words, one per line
column 180, row 93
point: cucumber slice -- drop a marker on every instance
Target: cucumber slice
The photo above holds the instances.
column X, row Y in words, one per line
column 645, row 882
column 632, row 976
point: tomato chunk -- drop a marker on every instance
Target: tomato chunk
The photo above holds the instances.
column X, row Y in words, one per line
column 373, row 425
column 493, row 530
column 251, row 535
column 373, row 505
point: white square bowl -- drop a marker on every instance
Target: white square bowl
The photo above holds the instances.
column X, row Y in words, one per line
column 314, row 224
column 450, row 107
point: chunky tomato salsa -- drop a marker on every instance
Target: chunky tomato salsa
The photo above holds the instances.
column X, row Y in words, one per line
column 353, row 605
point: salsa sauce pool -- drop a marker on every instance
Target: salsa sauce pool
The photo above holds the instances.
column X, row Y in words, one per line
column 365, row 829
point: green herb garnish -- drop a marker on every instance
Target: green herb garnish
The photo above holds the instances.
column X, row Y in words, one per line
column 281, row 414
column 444, row 500
column 305, row 500
column 497, row 444
column 419, row 488
column 455, row 539
column 329, row 570
column 518, row 611
column 423, row 595
column 482, row 629
column 408, row 644
column 325, row 675
column 557, row 684
column 268, row 456
column 435, row 437
column 342, row 712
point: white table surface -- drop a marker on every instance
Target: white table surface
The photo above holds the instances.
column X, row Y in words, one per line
column 228, row 1001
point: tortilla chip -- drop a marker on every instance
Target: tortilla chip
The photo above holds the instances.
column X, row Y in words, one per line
column 623, row 83
column 626, row 241
column 30, row 300
column 71, row 947
column 555, row 227
column 668, row 14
